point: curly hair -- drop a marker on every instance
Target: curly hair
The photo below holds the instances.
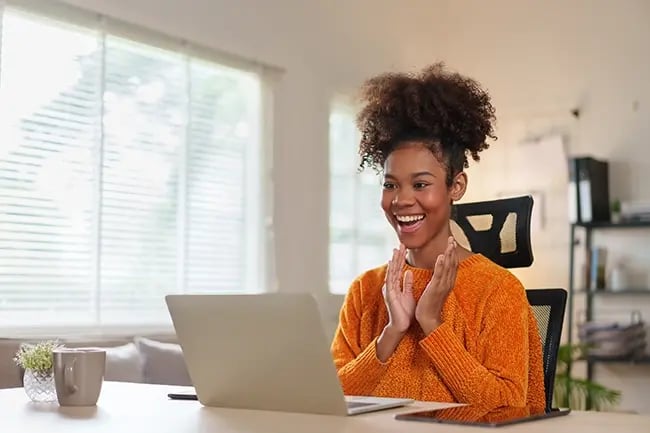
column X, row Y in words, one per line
column 448, row 112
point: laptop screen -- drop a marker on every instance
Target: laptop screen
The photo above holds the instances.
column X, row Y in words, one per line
column 470, row 415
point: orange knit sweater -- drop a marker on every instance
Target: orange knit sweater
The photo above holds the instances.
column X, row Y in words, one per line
column 487, row 351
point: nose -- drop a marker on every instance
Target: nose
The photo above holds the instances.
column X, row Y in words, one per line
column 403, row 198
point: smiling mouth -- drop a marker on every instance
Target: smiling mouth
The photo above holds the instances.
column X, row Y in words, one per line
column 408, row 220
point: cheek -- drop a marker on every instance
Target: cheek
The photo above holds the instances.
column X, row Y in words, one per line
column 386, row 200
column 436, row 201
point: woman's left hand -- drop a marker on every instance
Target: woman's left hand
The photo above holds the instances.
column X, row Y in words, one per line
column 428, row 311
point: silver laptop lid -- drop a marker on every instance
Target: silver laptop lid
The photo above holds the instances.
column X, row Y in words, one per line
column 266, row 352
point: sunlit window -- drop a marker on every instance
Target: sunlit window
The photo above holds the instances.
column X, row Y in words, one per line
column 360, row 237
column 126, row 173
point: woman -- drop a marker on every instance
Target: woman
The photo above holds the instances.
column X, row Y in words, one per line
column 438, row 322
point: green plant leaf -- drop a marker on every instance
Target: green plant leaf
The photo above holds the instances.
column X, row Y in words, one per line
column 37, row 357
column 575, row 393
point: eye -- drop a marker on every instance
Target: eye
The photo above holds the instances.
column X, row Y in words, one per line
column 388, row 185
column 420, row 185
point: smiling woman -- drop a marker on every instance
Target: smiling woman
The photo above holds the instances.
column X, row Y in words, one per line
column 438, row 322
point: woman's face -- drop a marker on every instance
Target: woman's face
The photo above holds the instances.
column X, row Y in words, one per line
column 416, row 199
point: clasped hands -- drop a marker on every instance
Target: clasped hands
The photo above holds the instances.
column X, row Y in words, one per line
column 399, row 299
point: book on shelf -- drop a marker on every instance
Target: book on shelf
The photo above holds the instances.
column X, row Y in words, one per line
column 597, row 259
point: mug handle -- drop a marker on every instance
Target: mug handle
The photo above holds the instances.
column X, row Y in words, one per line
column 68, row 377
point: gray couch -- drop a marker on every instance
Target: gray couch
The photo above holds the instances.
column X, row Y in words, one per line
column 143, row 359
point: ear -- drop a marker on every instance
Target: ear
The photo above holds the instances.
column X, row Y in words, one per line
column 458, row 186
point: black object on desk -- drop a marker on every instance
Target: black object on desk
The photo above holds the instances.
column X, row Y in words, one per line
column 469, row 415
column 182, row 396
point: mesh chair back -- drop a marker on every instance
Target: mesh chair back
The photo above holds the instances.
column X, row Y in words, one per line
column 548, row 306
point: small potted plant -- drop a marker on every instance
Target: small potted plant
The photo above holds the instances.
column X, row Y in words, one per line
column 38, row 379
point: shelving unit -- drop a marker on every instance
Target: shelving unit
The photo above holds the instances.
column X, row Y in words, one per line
column 591, row 294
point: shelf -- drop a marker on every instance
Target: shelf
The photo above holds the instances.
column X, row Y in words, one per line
column 611, row 225
column 639, row 359
column 607, row 292
column 587, row 295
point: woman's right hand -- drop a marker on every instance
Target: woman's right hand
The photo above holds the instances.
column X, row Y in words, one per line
column 398, row 293
column 400, row 303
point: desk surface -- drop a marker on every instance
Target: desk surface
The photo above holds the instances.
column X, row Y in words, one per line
column 139, row 408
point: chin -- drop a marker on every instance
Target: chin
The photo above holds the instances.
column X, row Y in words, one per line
column 412, row 242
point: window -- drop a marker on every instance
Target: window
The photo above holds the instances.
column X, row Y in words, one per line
column 127, row 171
column 360, row 237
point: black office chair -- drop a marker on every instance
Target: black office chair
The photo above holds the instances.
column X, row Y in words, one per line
column 500, row 230
column 548, row 306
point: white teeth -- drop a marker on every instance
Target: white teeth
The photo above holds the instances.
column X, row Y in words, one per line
column 408, row 218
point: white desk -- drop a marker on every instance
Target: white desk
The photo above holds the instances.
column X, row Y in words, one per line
column 139, row 408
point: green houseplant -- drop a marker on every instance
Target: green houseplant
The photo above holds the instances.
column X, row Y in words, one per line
column 576, row 393
column 38, row 379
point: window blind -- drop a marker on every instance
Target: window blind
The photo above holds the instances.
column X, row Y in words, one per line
column 223, row 119
column 144, row 118
column 123, row 176
column 49, row 116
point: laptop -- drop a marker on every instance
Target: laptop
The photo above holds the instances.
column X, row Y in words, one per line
column 265, row 352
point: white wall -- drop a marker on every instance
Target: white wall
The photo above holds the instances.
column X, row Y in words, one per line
column 540, row 60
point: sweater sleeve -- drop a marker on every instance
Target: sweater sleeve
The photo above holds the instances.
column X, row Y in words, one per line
column 358, row 367
column 498, row 375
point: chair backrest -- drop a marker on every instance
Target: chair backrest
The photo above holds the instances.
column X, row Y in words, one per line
column 548, row 306
column 498, row 229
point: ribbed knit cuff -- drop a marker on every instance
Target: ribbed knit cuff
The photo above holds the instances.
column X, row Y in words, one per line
column 367, row 371
column 453, row 362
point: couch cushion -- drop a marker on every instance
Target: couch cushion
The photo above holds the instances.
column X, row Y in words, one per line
column 10, row 374
column 163, row 363
column 124, row 364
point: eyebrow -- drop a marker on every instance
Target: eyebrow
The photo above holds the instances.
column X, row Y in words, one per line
column 414, row 175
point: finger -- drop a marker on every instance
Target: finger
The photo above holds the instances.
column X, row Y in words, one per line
column 387, row 275
column 437, row 270
column 454, row 267
column 407, row 286
column 394, row 255
column 450, row 246
column 388, row 282
column 451, row 282
column 397, row 269
column 451, row 265
column 399, row 266
column 448, row 264
column 402, row 255
column 387, row 291
column 391, row 269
